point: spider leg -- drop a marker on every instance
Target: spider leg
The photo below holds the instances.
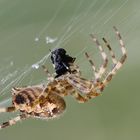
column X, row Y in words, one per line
column 98, row 74
column 80, row 84
column 13, row 121
column 110, row 50
column 50, row 76
column 85, row 97
column 93, row 66
column 120, row 62
column 7, row 109
column 79, row 97
column 87, row 88
column 103, row 54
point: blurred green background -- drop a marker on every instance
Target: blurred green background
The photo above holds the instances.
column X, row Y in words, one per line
column 24, row 28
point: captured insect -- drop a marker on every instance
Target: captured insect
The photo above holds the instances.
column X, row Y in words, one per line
column 46, row 101
column 61, row 61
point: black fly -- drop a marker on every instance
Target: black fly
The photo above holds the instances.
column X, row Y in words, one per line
column 61, row 61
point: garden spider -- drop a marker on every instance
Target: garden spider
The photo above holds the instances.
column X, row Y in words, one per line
column 46, row 101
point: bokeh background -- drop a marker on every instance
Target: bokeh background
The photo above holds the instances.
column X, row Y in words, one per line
column 29, row 28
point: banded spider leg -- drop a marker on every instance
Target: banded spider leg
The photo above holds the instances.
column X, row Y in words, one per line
column 91, row 89
column 117, row 64
column 13, row 120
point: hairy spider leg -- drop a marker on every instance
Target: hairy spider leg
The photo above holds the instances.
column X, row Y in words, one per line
column 119, row 63
column 7, row 109
column 113, row 58
column 98, row 74
column 80, row 98
column 13, row 121
column 87, row 88
column 10, row 108
column 104, row 57
column 111, row 51
column 93, row 66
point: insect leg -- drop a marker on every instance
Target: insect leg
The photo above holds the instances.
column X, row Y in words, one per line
column 75, row 69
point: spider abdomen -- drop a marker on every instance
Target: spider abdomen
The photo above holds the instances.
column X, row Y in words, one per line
column 26, row 95
column 35, row 102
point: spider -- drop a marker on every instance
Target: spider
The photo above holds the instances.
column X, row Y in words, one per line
column 46, row 101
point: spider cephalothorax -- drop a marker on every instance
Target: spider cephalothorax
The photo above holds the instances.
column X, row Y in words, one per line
column 46, row 101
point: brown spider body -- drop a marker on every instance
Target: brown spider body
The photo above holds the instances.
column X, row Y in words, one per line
column 46, row 101
column 29, row 101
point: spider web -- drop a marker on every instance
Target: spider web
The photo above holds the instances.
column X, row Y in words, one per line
column 83, row 19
